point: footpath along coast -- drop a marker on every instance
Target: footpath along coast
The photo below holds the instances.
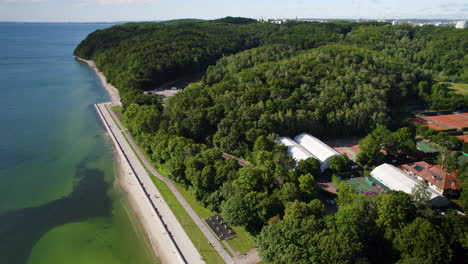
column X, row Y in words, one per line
column 136, row 182
column 164, row 232
column 167, row 237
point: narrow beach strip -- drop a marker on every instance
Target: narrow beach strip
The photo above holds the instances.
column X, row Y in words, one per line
column 178, row 234
column 111, row 90
column 165, row 233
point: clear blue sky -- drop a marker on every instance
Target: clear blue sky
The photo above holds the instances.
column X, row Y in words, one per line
column 131, row 10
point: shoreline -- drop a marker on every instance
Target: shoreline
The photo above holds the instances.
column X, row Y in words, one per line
column 111, row 90
column 161, row 235
column 154, row 231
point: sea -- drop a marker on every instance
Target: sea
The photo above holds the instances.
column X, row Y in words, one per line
column 60, row 201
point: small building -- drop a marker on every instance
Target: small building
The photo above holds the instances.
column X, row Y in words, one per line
column 437, row 178
column 461, row 24
column 390, row 177
column 317, row 148
column 295, row 150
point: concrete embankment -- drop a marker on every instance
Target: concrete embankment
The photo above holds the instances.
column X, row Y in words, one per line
column 164, row 232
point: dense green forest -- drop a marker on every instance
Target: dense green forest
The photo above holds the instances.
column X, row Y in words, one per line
column 261, row 81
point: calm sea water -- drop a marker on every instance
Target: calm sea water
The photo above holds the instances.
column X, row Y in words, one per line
column 58, row 203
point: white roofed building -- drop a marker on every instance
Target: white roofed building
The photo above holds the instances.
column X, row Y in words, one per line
column 317, row 148
column 297, row 152
column 461, row 24
column 390, row 177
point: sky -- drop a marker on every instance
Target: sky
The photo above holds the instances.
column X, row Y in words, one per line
column 142, row 10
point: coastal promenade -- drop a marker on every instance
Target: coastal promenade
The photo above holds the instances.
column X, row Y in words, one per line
column 165, row 233
column 136, row 181
column 198, row 221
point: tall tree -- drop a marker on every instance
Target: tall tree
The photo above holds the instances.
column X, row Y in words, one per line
column 421, row 242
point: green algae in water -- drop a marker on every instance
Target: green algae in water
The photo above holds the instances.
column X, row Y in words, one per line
column 96, row 241
column 58, row 203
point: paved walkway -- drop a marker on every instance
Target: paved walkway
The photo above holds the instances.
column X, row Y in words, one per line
column 198, row 221
column 161, row 213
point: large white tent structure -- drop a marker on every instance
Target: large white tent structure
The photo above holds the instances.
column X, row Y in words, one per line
column 317, row 148
column 391, row 178
column 297, row 152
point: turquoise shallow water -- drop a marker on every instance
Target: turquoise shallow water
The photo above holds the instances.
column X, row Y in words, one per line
column 57, row 200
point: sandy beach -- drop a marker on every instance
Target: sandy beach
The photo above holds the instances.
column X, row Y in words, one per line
column 165, row 234
column 111, row 90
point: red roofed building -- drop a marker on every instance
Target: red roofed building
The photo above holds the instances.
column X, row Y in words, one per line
column 437, row 178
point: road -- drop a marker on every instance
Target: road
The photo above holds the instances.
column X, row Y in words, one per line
column 157, row 208
column 198, row 221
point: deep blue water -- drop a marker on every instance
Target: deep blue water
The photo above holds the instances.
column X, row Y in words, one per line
column 56, row 165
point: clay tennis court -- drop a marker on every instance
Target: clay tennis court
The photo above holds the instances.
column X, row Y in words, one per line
column 424, row 122
column 463, row 137
column 457, row 121
column 348, row 146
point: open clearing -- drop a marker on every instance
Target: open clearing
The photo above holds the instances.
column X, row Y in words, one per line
column 460, row 88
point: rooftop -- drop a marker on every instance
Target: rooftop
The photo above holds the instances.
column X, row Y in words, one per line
column 434, row 174
column 316, row 147
column 295, row 150
column 396, row 179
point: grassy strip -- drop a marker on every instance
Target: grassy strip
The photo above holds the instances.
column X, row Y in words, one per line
column 210, row 255
column 201, row 211
column 117, row 110
column 459, row 88
column 117, row 124
column 201, row 243
column 243, row 241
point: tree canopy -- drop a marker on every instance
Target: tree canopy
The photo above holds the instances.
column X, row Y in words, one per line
column 217, row 137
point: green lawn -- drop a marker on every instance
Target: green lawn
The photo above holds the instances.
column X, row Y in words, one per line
column 243, row 241
column 195, row 234
column 209, row 254
column 460, row 88
column 117, row 110
column 201, row 243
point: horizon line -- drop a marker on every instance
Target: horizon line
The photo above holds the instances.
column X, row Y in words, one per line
column 163, row 20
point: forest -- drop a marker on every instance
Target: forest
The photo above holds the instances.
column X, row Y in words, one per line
column 261, row 81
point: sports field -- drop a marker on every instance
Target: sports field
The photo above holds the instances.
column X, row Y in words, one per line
column 463, row 137
column 348, row 146
column 427, row 147
column 360, row 185
column 458, row 120
column 429, row 124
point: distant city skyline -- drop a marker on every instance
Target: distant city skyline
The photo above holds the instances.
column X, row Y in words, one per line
column 141, row 10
